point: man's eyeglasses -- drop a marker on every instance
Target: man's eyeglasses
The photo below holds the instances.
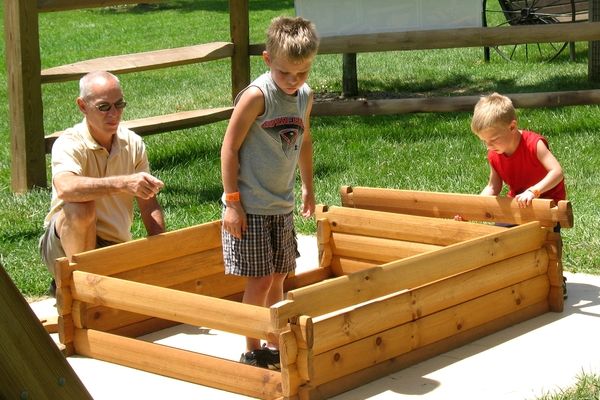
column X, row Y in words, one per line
column 105, row 107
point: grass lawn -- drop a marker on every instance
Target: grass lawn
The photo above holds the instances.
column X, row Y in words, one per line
column 434, row 152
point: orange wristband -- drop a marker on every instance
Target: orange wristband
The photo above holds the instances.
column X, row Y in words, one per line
column 234, row 196
column 536, row 193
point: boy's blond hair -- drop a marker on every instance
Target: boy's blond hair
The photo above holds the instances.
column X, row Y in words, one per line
column 293, row 38
column 492, row 110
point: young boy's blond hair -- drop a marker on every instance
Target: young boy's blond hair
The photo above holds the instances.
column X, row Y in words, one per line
column 492, row 110
column 292, row 38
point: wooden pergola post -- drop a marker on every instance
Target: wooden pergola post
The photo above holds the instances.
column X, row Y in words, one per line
column 594, row 46
column 28, row 161
column 239, row 22
column 349, row 75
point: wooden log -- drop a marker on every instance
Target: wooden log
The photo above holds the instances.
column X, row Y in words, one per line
column 50, row 323
column 447, row 205
column 179, row 364
column 141, row 252
column 386, row 345
column 144, row 61
column 440, row 232
column 239, row 29
column 356, row 322
column 371, row 373
column 143, row 327
column 291, row 378
column 31, row 366
column 555, row 272
column 414, row 271
column 174, row 305
column 345, row 266
column 323, row 238
column 307, row 278
column 376, row 249
column 451, row 104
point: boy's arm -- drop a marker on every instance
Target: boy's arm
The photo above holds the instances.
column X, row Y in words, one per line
column 494, row 185
column 305, row 163
column 251, row 104
column 552, row 178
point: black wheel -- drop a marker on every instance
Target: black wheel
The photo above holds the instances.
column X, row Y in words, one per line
column 532, row 12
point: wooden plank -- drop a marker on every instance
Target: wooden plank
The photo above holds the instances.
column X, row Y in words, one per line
column 460, row 37
column 345, row 266
column 164, row 123
column 21, row 35
column 148, row 60
column 411, row 228
column 376, row 249
column 369, row 374
column 414, row 271
column 362, row 320
column 404, row 338
column 451, row 104
column 447, row 205
column 31, row 366
column 179, row 364
column 306, row 278
column 141, row 252
column 174, row 305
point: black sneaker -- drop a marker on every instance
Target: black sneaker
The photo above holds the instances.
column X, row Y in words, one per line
column 254, row 358
column 564, row 285
column 272, row 358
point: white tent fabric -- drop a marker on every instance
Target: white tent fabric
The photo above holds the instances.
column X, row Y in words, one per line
column 351, row 17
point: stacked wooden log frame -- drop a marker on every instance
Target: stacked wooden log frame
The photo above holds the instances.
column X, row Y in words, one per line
column 398, row 281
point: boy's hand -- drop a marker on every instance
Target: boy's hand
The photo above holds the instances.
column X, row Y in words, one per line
column 308, row 204
column 524, row 199
column 235, row 221
column 459, row 217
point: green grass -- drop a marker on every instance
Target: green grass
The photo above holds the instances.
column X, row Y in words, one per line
column 415, row 151
column 586, row 388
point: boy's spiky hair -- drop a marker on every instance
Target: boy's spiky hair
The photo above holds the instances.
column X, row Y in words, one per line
column 293, row 38
column 492, row 110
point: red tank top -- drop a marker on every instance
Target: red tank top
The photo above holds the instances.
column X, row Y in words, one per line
column 522, row 169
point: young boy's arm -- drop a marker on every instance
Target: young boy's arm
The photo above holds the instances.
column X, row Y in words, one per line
column 251, row 104
column 494, row 185
column 552, row 178
column 305, row 163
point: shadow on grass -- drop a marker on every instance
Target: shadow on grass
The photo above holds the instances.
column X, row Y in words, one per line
column 185, row 6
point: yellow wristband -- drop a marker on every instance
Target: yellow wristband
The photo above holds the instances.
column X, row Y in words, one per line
column 536, row 193
column 234, row 196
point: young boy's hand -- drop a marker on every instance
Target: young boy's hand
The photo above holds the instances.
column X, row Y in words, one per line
column 308, row 204
column 524, row 199
column 235, row 221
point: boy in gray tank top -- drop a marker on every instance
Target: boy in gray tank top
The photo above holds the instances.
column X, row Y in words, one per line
column 268, row 136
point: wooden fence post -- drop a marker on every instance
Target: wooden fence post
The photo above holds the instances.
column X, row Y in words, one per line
column 594, row 46
column 28, row 155
column 239, row 21
column 349, row 75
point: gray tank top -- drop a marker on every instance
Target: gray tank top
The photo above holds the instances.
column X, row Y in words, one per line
column 269, row 154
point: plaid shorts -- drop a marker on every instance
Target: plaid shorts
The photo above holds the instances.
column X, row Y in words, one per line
column 268, row 246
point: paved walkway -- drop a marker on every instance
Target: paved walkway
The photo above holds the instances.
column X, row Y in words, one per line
column 525, row 361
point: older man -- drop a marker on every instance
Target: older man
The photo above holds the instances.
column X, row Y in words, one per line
column 98, row 168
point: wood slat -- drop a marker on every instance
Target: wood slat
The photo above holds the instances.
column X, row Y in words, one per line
column 402, row 339
column 447, row 205
column 141, row 252
column 347, row 325
column 140, row 61
column 164, row 123
column 174, row 305
column 179, row 364
column 410, row 228
column 344, row 291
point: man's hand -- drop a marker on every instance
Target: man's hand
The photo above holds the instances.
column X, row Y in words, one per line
column 143, row 185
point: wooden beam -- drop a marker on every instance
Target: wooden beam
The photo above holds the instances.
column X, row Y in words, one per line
column 179, row 364
column 21, row 35
column 451, row 104
column 164, row 123
column 358, row 321
column 141, row 252
column 239, row 26
column 402, row 339
column 344, row 291
column 411, row 228
column 447, row 205
column 243, row 319
column 31, row 366
column 148, row 60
